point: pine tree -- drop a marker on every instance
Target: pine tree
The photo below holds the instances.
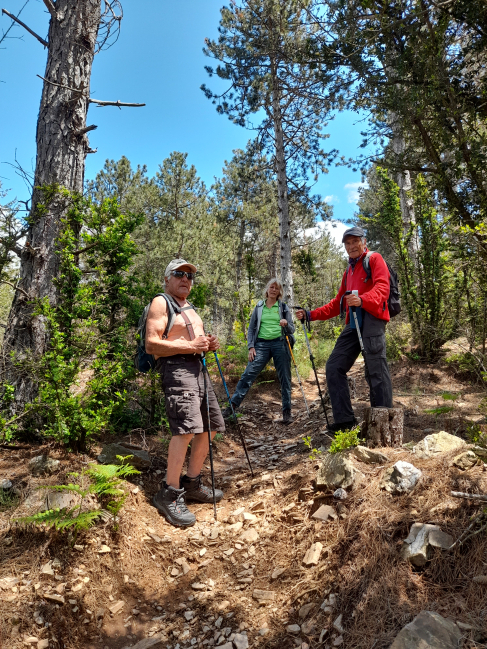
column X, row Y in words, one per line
column 261, row 50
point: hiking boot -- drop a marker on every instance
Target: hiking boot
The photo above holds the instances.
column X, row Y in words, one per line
column 171, row 504
column 341, row 426
column 286, row 417
column 195, row 490
column 227, row 413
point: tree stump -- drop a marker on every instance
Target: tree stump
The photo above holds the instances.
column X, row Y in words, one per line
column 383, row 427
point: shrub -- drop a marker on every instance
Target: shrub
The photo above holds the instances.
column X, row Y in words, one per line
column 345, row 439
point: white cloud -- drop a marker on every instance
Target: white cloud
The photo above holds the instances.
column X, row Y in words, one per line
column 331, row 199
column 353, row 188
column 334, row 228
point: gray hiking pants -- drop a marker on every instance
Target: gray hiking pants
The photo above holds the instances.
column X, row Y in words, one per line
column 344, row 355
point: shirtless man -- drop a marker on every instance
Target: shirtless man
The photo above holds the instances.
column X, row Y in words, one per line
column 178, row 361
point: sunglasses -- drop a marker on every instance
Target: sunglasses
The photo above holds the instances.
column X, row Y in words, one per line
column 182, row 273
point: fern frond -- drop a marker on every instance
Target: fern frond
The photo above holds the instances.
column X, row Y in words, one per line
column 82, row 521
column 50, row 517
column 102, row 471
column 109, row 490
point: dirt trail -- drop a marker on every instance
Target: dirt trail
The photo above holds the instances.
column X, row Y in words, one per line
column 242, row 578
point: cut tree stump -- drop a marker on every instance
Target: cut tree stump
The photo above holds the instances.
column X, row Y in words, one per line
column 383, row 427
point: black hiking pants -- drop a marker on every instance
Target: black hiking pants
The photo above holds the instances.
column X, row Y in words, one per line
column 344, row 355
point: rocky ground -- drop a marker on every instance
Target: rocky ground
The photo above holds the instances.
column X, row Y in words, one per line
column 285, row 564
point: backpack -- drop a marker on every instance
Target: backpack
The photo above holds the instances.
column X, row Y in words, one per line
column 143, row 361
column 394, row 300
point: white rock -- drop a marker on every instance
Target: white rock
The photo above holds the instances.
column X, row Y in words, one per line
column 441, row 442
column 400, row 478
column 312, row 555
column 241, row 641
column 249, row 536
column 338, row 623
column 47, row 569
column 264, row 631
column 293, row 628
column 416, row 548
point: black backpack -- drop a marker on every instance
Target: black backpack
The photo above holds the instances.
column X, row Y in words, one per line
column 144, row 361
column 394, row 301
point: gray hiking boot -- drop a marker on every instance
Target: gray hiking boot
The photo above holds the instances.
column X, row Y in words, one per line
column 195, row 490
column 286, row 417
column 171, row 504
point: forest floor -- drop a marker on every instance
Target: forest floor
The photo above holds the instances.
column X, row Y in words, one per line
column 222, row 581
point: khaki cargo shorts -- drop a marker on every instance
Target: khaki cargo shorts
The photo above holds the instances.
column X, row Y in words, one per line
column 184, row 389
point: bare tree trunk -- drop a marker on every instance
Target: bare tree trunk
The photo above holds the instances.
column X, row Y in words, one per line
column 402, row 178
column 282, row 192
column 61, row 150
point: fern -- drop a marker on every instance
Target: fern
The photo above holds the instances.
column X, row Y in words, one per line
column 103, row 481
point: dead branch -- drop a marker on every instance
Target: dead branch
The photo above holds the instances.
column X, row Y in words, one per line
column 86, row 129
column 51, row 8
column 460, row 494
column 118, row 103
column 17, row 288
column 98, row 102
column 60, row 85
column 17, row 20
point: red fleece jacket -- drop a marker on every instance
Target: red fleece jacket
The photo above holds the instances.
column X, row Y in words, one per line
column 374, row 293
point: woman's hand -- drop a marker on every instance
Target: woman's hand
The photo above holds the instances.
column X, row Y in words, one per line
column 251, row 354
column 283, row 322
column 300, row 314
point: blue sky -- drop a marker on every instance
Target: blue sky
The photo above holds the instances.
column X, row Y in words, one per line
column 158, row 60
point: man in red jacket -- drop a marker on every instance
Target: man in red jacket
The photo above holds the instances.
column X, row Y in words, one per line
column 373, row 314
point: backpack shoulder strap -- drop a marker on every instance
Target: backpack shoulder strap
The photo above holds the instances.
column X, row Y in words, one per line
column 366, row 264
column 172, row 308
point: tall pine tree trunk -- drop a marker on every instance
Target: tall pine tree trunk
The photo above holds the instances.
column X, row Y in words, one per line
column 61, row 150
column 282, row 191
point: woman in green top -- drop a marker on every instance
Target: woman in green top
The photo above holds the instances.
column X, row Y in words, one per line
column 271, row 320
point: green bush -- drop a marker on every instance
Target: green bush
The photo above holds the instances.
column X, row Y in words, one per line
column 398, row 336
column 345, row 439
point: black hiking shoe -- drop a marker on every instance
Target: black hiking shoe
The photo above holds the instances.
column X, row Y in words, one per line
column 227, row 414
column 286, row 417
column 342, row 426
column 171, row 504
column 195, row 490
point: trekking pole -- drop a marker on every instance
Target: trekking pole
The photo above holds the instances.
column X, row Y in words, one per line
column 234, row 414
column 312, row 359
column 361, row 343
column 297, row 374
column 206, row 378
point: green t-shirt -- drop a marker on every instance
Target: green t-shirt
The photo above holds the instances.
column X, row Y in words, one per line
column 269, row 324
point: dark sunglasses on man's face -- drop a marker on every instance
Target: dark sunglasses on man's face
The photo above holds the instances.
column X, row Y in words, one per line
column 182, row 273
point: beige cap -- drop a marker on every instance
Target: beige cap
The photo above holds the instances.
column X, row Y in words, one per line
column 175, row 264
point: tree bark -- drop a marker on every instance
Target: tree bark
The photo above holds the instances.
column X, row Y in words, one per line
column 282, row 191
column 61, row 153
column 383, row 427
